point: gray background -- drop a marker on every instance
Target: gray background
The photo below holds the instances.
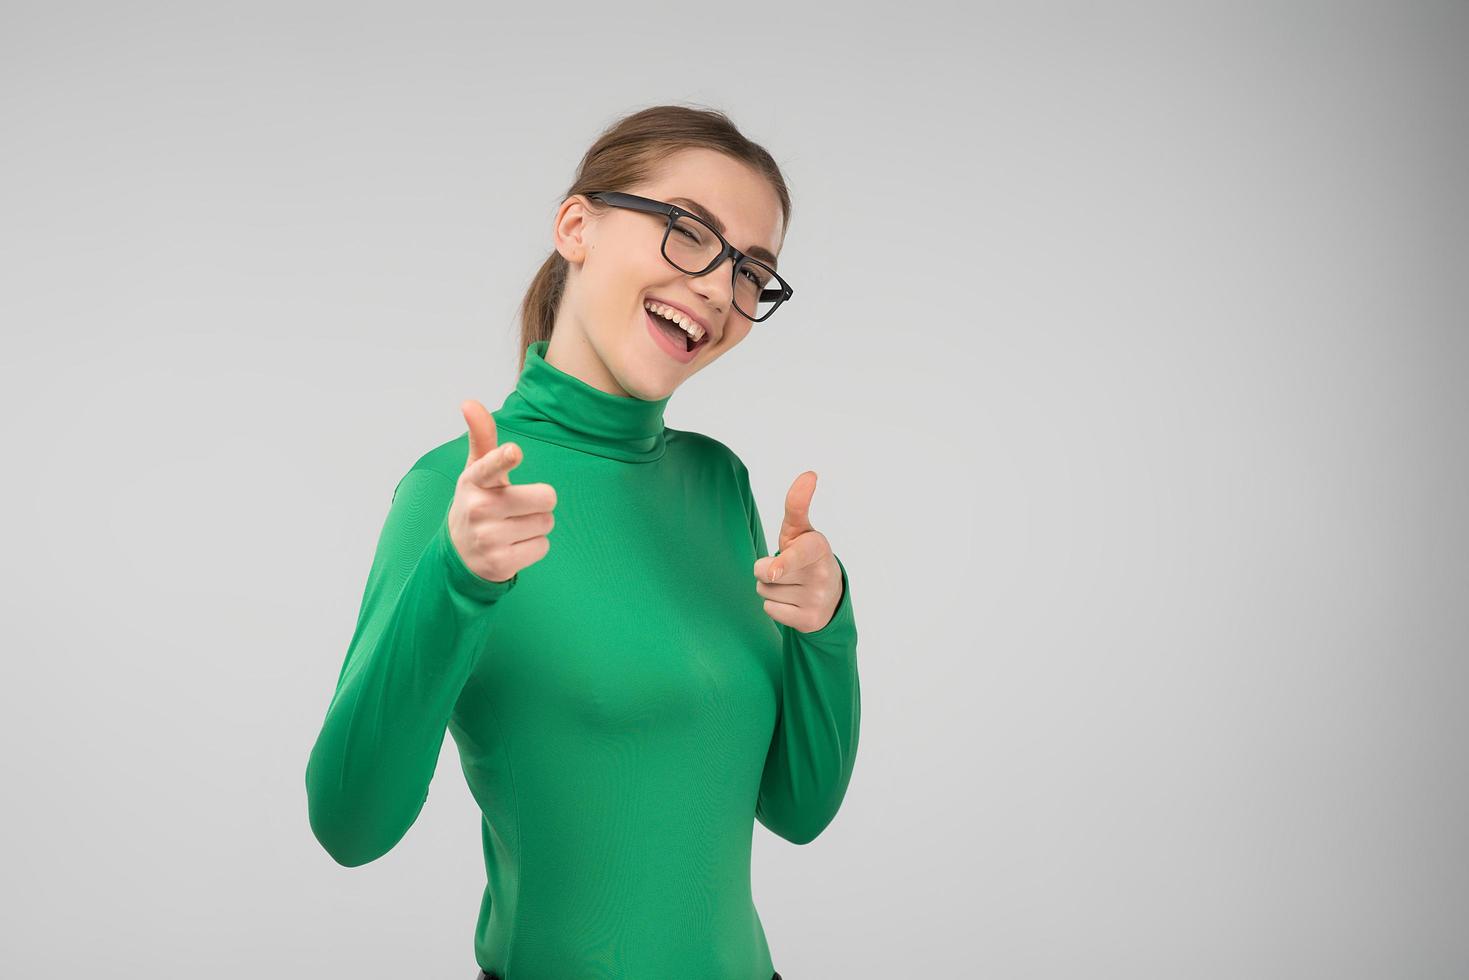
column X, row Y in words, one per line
column 1140, row 425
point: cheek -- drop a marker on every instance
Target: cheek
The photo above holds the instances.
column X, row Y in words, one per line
column 620, row 268
column 630, row 278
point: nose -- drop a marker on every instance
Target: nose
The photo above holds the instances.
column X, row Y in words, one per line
column 716, row 287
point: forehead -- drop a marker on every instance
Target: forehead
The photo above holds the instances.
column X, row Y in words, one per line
column 737, row 201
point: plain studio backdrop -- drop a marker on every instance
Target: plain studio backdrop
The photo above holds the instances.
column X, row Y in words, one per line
column 1129, row 344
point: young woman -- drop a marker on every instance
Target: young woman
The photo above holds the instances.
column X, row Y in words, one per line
column 627, row 703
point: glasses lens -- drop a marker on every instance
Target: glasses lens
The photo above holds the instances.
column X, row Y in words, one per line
column 692, row 245
column 758, row 290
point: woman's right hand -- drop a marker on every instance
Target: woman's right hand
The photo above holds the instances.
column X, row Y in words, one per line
column 498, row 528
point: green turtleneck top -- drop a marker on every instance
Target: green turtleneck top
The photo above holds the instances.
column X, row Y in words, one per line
column 624, row 708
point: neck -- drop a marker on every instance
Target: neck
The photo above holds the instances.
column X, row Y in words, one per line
column 556, row 406
column 570, row 352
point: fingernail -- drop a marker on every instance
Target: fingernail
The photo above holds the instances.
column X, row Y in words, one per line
column 775, row 575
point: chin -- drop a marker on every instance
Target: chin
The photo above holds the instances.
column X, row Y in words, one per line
column 648, row 373
column 638, row 383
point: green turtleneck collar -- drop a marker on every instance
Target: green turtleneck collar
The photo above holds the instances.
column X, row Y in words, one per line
column 553, row 406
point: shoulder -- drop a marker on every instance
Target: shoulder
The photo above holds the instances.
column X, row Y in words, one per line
column 446, row 459
column 706, row 449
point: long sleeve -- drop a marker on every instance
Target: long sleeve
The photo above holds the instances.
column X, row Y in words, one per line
column 814, row 747
column 425, row 618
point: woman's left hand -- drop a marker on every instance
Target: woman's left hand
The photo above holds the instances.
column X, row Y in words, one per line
column 802, row 585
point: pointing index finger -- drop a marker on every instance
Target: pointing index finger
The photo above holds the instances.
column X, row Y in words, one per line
column 806, row 549
column 493, row 468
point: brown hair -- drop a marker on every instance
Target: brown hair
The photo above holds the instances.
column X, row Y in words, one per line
column 627, row 153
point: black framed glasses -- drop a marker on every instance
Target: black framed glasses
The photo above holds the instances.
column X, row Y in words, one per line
column 691, row 245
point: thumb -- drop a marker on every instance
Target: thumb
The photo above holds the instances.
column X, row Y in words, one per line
column 481, row 429
column 797, row 520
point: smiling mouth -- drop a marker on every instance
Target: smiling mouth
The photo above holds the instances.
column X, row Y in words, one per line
column 677, row 334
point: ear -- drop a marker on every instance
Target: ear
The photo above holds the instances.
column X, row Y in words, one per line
column 572, row 229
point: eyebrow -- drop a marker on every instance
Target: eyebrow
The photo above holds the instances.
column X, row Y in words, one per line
column 757, row 251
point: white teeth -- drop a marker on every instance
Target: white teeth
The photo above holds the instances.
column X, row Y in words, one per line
column 669, row 313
